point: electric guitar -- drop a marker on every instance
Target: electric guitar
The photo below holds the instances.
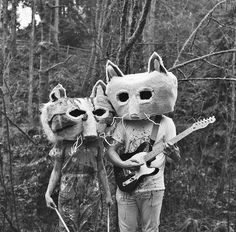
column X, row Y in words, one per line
column 128, row 181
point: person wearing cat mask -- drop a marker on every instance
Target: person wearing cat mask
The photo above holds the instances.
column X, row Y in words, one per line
column 73, row 125
column 140, row 101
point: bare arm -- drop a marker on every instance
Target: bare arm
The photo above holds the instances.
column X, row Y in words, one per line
column 171, row 150
column 102, row 175
column 54, row 178
column 116, row 160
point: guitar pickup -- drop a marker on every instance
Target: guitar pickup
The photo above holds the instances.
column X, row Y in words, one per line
column 129, row 181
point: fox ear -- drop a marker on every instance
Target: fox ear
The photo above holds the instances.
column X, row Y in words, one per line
column 112, row 70
column 155, row 63
column 98, row 89
column 57, row 93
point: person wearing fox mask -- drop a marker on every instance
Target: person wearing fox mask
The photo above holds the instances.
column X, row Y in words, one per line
column 141, row 100
column 73, row 126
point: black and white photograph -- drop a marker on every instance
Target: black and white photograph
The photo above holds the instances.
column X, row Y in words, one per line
column 117, row 116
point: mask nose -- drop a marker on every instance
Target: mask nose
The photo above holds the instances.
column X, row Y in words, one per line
column 89, row 126
column 134, row 109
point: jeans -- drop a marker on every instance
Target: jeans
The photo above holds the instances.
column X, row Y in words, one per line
column 139, row 208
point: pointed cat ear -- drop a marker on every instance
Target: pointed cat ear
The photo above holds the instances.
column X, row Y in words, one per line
column 57, row 93
column 112, row 70
column 98, row 89
column 155, row 63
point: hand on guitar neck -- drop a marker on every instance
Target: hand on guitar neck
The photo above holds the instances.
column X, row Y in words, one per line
column 172, row 151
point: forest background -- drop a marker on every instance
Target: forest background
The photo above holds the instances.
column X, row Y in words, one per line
column 70, row 44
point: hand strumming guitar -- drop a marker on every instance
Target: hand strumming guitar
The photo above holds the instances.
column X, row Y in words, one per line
column 132, row 164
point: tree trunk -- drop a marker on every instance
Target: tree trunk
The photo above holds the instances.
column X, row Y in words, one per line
column 225, row 175
column 13, row 29
column 31, row 65
column 7, row 156
column 150, row 31
column 93, row 49
column 44, row 51
column 56, row 24
column 125, row 45
column 43, row 78
column 0, row 14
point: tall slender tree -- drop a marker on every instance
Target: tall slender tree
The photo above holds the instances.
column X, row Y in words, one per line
column 44, row 49
column 56, row 25
column 31, row 64
column 13, row 28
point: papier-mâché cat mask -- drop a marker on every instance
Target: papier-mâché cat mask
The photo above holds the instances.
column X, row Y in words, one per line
column 138, row 96
column 65, row 118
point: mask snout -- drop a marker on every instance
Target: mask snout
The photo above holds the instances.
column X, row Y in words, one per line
column 134, row 109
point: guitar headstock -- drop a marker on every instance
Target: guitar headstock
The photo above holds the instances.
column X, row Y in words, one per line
column 203, row 123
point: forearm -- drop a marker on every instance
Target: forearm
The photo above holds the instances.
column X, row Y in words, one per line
column 54, row 178
column 102, row 175
column 114, row 157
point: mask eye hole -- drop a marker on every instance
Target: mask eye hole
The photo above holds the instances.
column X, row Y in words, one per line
column 99, row 112
column 77, row 113
column 145, row 95
column 123, row 97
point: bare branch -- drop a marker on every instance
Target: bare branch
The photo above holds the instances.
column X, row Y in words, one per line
column 17, row 127
column 56, row 65
column 201, row 58
column 208, row 79
column 195, row 31
column 214, row 65
column 185, row 77
column 221, row 24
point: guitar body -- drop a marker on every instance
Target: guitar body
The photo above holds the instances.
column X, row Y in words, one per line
column 128, row 181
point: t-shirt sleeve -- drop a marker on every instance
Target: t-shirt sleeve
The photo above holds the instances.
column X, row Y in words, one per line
column 56, row 151
column 170, row 129
column 119, row 133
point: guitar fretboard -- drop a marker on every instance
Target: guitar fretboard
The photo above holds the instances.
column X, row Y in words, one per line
column 160, row 147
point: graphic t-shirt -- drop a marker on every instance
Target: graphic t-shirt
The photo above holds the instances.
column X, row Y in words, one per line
column 132, row 133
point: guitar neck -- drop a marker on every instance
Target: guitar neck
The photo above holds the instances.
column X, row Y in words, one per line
column 160, row 147
column 180, row 136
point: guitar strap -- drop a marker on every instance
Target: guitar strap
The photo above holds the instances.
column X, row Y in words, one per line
column 155, row 129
